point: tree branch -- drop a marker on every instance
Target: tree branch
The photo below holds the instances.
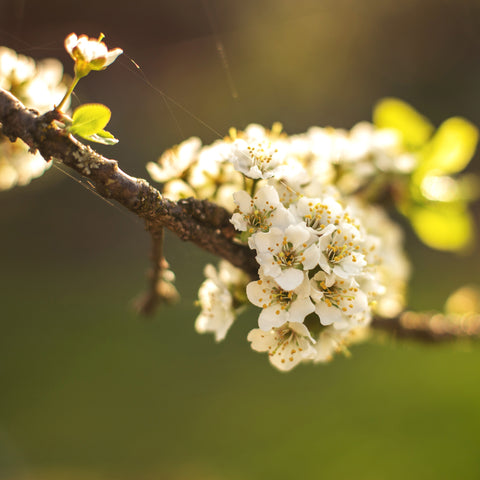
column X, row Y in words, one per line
column 202, row 222
column 199, row 221
column 430, row 326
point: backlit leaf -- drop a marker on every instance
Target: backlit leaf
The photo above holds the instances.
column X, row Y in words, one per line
column 394, row 113
column 451, row 148
column 89, row 119
column 443, row 227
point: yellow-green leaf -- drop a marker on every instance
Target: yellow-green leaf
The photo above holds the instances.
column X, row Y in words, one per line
column 89, row 119
column 451, row 148
column 443, row 227
column 399, row 115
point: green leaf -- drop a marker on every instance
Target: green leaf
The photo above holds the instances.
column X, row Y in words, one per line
column 103, row 137
column 89, row 119
column 451, row 148
column 443, row 227
column 394, row 113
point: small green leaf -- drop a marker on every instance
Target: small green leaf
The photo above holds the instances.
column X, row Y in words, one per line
column 103, row 137
column 396, row 114
column 451, row 148
column 89, row 119
column 443, row 227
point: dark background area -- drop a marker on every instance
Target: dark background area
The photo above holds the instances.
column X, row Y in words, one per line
column 89, row 390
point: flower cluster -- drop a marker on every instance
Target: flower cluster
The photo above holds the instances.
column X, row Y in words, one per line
column 38, row 85
column 308, row 162
column 319, row 278
column 328, row 261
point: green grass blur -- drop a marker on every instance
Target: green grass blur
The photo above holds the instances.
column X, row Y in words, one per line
column 87, row 386
column 88, row 390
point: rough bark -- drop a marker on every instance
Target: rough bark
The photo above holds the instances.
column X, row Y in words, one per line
column 198, row 221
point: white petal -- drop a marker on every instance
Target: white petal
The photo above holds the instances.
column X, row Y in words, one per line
column 258, row 292
column 290, row 278
column 312, row 257
column 112, row 56
column 301, row 329
column 70, row 42
column 328, row 315
column 272, row 317
column 239, row 222
column 300, row 308
column 244, row 201
column 261, row 341
column 297, row 235
column 266, row 198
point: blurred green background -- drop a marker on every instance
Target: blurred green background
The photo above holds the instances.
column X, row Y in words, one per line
column 88, row 390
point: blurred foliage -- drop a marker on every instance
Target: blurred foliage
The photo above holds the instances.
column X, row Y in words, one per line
column 414, row 128
column 432, row 200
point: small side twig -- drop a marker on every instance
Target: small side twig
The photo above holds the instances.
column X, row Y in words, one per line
column 160, row 280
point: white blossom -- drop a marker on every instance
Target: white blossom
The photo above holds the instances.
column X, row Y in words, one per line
column 255, row 133
column 286, row 254
column 339, row 302
column 178, row 189
column 388, row 269
column 320, row 215
column 216, row 298
column 213, row 177
column 280, row 305
column 38, row 85
column 287, row 345
column 174, row 162
column 89, row 53
column 257, row 160
column 333, row 341
column 15, row 69
column 261, row 212
column 329, row 342
column 340, row 251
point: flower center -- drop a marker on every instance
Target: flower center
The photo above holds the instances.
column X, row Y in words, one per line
column 336, row 253
column 283, row 297
column 260, row 158
column 288, row 257
column 335, row 294
column 257, row 220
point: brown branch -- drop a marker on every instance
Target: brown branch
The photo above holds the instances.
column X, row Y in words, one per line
column 430, row 326
column 160, row 288
column 199, row 221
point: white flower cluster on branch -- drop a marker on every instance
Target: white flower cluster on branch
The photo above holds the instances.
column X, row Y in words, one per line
column 327, row 260
column 301, row 217
column 39, row 85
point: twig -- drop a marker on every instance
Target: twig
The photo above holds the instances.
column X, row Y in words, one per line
column 160, row 287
